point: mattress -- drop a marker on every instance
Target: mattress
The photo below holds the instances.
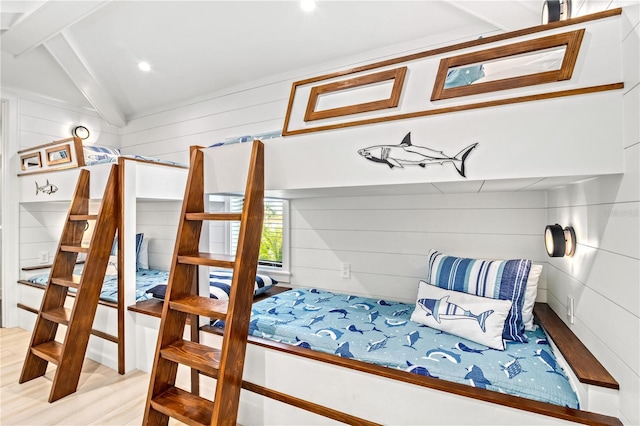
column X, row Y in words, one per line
column 380, row 332
column 145, row 280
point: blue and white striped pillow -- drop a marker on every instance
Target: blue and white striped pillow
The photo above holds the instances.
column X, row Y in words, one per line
column 220, row 284
column 496, row 279
column 95, row 153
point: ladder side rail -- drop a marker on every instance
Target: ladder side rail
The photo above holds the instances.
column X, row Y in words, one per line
column 86, row 303
column 234, row 344
column 181, row 276
column 55, row 296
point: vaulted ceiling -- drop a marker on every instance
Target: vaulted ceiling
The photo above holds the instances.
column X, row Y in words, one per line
column 86, row 52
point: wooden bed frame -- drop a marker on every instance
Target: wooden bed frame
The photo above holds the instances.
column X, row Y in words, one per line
column 583, row 364
column 586, row 367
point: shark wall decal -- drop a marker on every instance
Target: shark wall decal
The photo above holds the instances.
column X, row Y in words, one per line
column 407, row 154
column 47, row 188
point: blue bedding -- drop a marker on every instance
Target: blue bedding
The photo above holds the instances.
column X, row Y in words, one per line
column 145, row 280
column 380, row 332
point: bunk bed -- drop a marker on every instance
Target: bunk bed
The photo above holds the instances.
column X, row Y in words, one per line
column 374, row 129
column 142, row 180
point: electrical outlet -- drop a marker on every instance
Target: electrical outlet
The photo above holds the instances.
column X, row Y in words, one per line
column 345, row 270
column 570, row 309
column 43, row 257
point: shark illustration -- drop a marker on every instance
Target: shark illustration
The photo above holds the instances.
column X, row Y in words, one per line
column 548, row 360
column 301, row 343
column 419, row 369
column 355, row 329
column 464, row 348
column 412, row 338
column 342, row 312
column 476, row 377
column 438, row 354
column 444, row 310
column 343, row 350
column 394, row 323
column 330, row 332
column 401, row 312
column 407, row 154
column 47, row 188
column 363, row 305
column 378, row 344
column 513, row 367
column 314, row 320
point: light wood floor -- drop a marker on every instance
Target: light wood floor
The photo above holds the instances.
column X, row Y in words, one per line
column 103, row 397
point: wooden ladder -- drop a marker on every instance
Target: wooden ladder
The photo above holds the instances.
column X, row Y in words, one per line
column 164, row 400
column 69, row 355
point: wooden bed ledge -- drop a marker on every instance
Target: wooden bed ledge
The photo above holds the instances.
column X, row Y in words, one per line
column 543, row 408
column 585, row 366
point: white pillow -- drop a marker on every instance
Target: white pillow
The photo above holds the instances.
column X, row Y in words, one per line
column 480, row 319
column 530, row 294
column 143, row 255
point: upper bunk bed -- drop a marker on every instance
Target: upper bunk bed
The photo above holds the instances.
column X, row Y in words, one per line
column 534, row 108
column 49, row 174
column 540, row 107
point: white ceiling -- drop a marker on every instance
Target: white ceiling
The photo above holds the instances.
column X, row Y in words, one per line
column 86, row 52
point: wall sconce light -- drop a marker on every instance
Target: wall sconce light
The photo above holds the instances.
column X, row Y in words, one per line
column 559, row 242
column 556, row 10
column 80, row 132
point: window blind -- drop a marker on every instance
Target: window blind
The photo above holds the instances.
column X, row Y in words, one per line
column 272, row 228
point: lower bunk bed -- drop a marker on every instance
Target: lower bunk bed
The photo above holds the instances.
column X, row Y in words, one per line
column 378, row 337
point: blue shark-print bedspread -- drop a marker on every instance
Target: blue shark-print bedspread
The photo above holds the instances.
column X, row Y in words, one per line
column 145, row 280
column 380, row 332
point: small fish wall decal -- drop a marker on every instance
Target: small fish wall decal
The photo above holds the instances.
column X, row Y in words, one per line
column 407, row 154
column 47, row 188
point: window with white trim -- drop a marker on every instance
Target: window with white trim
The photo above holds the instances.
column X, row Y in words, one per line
column 273, row 238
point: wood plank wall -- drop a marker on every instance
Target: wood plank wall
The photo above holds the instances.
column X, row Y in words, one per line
column 604, row 274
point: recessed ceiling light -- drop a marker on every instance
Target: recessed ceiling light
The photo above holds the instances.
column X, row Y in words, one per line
column 144, row 66
column 308, row 5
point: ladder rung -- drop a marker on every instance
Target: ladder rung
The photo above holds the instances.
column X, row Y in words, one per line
column 59, row 315
column 208, row 259
column 74, row 249
column 203, row 358
column 204, row 306
column 49, row 351
column 214, row 216
column 81, row 217
column 74, row 282
column 186, row 407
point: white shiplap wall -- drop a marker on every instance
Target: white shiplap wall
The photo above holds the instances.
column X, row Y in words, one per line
column 38, row 121
column 386, row 239
column 604, row 275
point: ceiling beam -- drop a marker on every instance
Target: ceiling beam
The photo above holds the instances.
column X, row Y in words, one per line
column 65, row 54
column 505, row 15
column 45, row 22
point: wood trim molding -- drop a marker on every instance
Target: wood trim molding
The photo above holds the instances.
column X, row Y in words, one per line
column 66, row 148
column 466, row 107
column 420, row 55
column 571, row 40
column 546, row 409
column 585, row 366
column 397, row 75
column 576, row 354
column 49, row 144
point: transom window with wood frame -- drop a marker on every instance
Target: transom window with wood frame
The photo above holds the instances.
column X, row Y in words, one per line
column 271, row 246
